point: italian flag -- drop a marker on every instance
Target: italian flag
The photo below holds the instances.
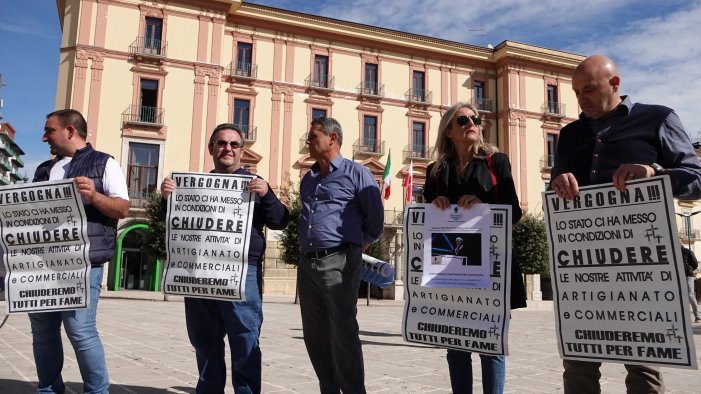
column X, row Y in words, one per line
column 385, row 177
column 409, row 181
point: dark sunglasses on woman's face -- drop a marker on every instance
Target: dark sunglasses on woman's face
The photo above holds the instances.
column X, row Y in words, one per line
column 462, row 120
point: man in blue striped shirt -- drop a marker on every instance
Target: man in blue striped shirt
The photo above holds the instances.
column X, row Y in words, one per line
column 342, row 213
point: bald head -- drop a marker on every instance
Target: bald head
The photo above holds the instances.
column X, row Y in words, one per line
column 595, row 82
column 597, row 64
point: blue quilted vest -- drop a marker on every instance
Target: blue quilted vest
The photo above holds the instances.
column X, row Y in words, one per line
column 102, row 230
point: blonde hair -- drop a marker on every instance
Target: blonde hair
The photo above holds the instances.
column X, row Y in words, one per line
column 444, row 149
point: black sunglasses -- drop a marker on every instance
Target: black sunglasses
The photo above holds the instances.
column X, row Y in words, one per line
column 223, row 144
column 462, row 120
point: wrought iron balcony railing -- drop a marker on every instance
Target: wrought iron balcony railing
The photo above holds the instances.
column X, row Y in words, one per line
column 553, row 108
column 418, row 152
column 371, row 89
column 320, row 81
column 394, row 217
column 420, row 96
column 242, row 70
column 482, row 104
column 249, row 133
column 369, row 147
column 547, row 161
column 138, row 200
column 145, row 46
column 303, row 142
column 143, row 115
column 694, row 233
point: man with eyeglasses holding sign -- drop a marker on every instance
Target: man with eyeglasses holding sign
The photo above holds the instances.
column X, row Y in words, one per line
column 616, row 140
column 208, row 321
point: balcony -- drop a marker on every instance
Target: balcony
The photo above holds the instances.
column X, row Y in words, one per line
column 8, row 151
column 138, row 200
column 142, row 115
column 4, row 180
column 370, row 89
column 482, row 104
column 248, row 133
column 303, row 142
column 148, row 47
column 695, row 234
column 17, row 161
column 553, row 108
column 547, row 162
column 419, row 96
column 15, row 176
column 245, row 71
column 369, row 147
column 394, row 218
column 320, row 82
column 5, row 164
column 418, row 152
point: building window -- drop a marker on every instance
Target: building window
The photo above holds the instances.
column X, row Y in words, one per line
column 242, row 111
column 418, row 86
column 553, row 105
column 244, row 58
column 370, row 83
column 551, row 141
column 478, row 90
column 318, row 113
column 417, row 194
column 369, row 133
column 152, row 39
column 142, row 169
column 418, row 139
column 148, row 111
column 321, row 71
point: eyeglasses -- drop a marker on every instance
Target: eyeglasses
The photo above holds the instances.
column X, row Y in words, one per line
column 462, row 120
column 223, row 144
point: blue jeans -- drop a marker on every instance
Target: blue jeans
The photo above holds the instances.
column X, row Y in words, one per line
column 82, row 332
column 208, row 321
column 460, row 368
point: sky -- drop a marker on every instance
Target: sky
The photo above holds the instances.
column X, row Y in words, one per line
column 654, row 42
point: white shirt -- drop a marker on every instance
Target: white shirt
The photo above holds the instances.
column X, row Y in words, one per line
column 113, row 181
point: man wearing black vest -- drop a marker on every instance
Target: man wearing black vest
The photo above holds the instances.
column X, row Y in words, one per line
column 103, row 189
column 616, row 140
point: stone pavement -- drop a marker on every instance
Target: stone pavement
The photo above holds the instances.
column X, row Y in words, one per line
column 148, row 352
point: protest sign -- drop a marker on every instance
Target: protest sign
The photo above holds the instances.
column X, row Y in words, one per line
column 208, row 227
column 618, row 279
column 470, row 319
column 44, row 247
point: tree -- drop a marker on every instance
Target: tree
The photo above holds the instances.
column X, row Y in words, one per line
column 289, row 243
column 155, row 243
column 531, row 244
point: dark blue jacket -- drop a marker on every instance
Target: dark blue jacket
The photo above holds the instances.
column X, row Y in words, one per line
column 102, row 230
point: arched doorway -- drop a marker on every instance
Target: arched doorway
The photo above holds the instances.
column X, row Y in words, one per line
column 135, row 269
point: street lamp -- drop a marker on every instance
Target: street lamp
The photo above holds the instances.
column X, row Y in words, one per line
column 687, row 223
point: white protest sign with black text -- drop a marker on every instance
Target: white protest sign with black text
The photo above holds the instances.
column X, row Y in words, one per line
column 208, row 229
column 618, row 280
column 44, row 247
column 470, row 319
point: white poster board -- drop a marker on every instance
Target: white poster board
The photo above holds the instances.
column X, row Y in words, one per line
column 470, row 319
column 44, row 247
column 618, row 278
column 208, row 229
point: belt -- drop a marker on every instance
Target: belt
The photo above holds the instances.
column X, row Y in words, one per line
column 320, row 254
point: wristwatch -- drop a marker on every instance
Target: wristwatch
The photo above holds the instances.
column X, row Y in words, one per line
column 659, row 170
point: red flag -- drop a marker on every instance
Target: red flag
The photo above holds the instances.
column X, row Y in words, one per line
column 409, row 181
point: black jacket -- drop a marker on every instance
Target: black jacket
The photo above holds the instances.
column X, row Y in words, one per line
column 478, row 182
column 690, row 262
